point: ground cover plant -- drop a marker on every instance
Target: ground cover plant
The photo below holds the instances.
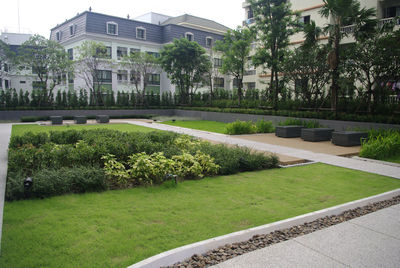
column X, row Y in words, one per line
column 119, row 228
column 125, row 158
column 382, row 145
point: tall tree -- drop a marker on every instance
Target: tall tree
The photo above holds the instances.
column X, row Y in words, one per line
column 141, row 65
column 306, row 66
column 374, row 60
column 186, row 63
column 6, row 57
column 235, row 49
column 49, row 61
column 343, row 13
column 274, row 24
column 93, row 59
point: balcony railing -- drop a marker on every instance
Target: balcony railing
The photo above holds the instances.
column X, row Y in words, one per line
column 351, row 28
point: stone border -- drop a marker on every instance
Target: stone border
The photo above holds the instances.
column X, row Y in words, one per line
column 176, row 255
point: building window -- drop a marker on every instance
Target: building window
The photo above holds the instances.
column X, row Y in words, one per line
column 6, row 68
column 112, row 28
column 305, row 19
column 209, row 41
column 219, row 82
column 22, row 82
column 189, row 36
column 134, row 50
column 7, row 84
column 104, row 53
column 72, row 29
column 235, row 83
column 250, row 14
column 70, row 53
column 58, row 36
column 141, row 33
column 122, row 76
column 71, row 78
column 122, row 52
column 134, row 77
column 217, row 62
column 392, row 12
column 1, row 83
column 153, row 79
column 103, row 76
column 251, row 85
column 154, row 54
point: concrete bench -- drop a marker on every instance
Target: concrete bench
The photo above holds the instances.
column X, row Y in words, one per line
column 288, row 131
column 102, row 119
column 316, row 134
column 348, row 138
column 80, row 119
column 56, row 120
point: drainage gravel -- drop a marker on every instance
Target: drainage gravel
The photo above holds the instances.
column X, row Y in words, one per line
column 230, row 251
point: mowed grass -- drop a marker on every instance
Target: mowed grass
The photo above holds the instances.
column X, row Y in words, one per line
column 119, row 228
column 21, row 129
column 211, row 126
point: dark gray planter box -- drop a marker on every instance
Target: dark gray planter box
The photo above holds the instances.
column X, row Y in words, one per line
column 56, row 120
column 80, row 119
column 102, row 119
column 316, row 134
column 288, row 131
column 348, row 138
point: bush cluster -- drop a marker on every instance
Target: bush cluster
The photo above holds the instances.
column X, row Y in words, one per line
column 381, row 144
column 248, row 127
column 51, row 182
column 145, row 157
column 299, row 122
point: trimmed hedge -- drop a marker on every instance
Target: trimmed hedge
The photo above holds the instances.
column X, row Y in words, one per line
column 52, row 182
column 70, row 117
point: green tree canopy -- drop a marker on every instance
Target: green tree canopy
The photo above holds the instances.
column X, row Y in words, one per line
column 274, row 23
column 186, row 63
column 235, row 48
column 49, row 61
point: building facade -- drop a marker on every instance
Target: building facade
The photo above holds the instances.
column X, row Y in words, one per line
column 147, row 33
column 14, row 76
column 386, row 10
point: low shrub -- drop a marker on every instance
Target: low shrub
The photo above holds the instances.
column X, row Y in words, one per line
column 381, row 144
column 299, row 122
column 240, row 127
column 71, row 117
column 265, row 127
column 144, row 169
column 51, row 182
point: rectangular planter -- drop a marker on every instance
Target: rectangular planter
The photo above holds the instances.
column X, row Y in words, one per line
column 288, row 131
column 80, row 119
column 56, row 120
column 348, row 138
column 102, row 119
column 316, row 134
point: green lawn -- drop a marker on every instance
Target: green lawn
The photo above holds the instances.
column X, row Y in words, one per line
column 21, row 129
column 119, row 228
column 210, row 126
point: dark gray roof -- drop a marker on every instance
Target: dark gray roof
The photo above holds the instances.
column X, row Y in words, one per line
column 196, row 23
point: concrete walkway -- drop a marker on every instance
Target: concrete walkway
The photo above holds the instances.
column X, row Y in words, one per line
column 372, row 240
column 5, row 134
column 356, row 164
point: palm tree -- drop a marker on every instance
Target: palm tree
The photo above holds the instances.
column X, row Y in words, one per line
column 342, row 13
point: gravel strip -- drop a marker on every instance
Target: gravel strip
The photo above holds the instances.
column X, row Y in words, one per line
column 230, row 251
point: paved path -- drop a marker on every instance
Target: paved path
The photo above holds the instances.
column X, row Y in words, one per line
column 377, row 168
column 5, row 133
column 372, row 240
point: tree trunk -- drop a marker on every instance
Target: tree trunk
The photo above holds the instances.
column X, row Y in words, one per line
column 335, row 72
column 240, row 85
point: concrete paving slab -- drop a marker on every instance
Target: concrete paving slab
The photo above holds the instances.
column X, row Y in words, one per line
column 354, row 245
column 5, row 134
column 385, row 221
column 285, row 254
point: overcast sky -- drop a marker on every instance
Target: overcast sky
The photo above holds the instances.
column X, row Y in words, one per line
column 39, row 16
